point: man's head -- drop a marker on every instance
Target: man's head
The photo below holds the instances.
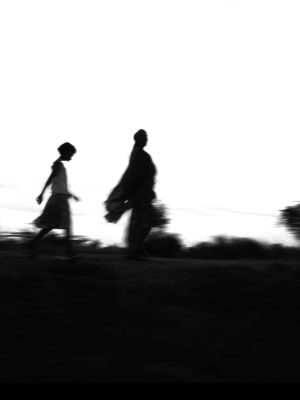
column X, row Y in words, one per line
column 141, row 138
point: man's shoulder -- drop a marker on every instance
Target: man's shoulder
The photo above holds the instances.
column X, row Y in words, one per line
column 146, row 156
column 140, row 153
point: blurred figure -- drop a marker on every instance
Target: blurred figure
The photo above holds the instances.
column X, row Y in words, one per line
column 56, row 214
column 136, row 192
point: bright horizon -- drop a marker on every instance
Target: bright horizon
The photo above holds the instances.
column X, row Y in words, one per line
column 215, row 83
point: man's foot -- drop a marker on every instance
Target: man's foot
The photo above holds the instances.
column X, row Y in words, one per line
column 144, row 253
column 73, row 259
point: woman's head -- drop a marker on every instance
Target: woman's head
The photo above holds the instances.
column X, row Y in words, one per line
column 141, row 138
column 67, row 151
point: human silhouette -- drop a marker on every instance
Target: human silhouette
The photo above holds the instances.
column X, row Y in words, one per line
column 56, row 214
column 135, row 191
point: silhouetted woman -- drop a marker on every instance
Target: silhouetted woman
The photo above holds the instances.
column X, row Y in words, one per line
column 136, row 192
column 56, row 214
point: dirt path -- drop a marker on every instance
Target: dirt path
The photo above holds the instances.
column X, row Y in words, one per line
column 108, row 319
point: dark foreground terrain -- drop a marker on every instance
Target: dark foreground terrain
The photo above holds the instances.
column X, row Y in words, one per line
column 106, row 319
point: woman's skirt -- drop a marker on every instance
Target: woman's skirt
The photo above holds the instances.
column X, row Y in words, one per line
column 56, row 214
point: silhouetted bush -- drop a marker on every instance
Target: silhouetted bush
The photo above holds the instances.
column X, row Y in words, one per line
column 290, row 218
column 113, row 249
column 6, row 243
column 48, row 245
column 240, row 248
column 162, row 244
column 159, row 216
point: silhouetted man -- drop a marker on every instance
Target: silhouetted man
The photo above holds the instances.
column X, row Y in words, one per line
column 136, row 192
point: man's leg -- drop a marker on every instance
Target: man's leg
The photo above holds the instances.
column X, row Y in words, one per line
column 146, row 227
column 69, row 243
column 139, row 229
column 132, row 234
column 145, row 233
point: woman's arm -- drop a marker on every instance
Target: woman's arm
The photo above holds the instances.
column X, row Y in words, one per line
column 72, row 196
column 48, row 183
column 55, row 170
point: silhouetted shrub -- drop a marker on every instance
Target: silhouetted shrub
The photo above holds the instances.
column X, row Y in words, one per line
column 239, row 248
column 48, row 245
column 113, row 249
column 279, row 251
column 164, row 245
column 159, row 216
column 6, row 243
column 290, row 218
column 161, row 244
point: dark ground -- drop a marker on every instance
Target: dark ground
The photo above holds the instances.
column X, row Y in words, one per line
column 106, row 319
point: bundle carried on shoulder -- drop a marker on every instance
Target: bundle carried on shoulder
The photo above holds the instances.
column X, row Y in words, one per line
column 116, row 205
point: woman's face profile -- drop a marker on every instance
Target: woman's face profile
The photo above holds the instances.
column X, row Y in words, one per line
column 67, row 156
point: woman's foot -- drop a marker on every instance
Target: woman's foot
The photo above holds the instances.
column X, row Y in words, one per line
column 30, row 249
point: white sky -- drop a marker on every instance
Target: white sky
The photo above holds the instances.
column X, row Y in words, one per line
column 215, row 83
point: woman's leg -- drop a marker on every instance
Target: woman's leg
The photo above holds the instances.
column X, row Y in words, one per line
column 43, row 232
